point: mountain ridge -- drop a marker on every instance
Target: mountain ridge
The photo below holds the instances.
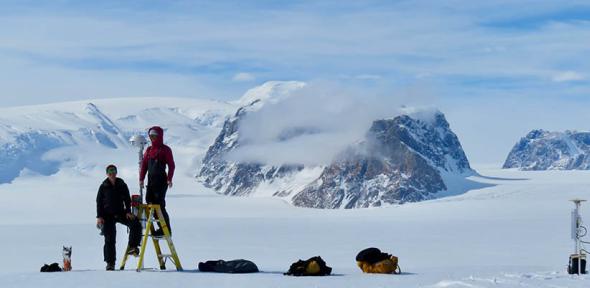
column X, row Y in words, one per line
column 546, row 150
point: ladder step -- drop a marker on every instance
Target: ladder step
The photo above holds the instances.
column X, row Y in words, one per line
column 160, row 237
column 165, row 256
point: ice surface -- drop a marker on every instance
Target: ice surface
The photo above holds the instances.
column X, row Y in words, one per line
column 512, row 233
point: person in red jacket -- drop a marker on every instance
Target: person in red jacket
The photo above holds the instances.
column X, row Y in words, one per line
column 155, row 159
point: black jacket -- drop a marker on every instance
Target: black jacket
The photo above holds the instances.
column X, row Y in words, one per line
column 112, row 199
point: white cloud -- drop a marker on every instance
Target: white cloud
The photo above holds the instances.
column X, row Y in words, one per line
column 568, row 76
column 368, row 77
column 244, row 77
column 314, row 123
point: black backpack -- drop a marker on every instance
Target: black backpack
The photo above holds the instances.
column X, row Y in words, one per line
column 233, row 266
column 372, row 255
column 306, row 268
column 54, row 267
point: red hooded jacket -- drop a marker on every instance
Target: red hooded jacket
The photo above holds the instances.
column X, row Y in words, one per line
column 160, row 151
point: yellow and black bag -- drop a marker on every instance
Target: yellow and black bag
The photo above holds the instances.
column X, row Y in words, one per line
column 372, row 260
column 315, row 266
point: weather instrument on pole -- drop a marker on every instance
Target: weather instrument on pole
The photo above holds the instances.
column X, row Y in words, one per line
column 577, row 263
column 138, row 141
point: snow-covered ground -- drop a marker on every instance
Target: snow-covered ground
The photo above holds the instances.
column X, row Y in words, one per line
column 512, row 233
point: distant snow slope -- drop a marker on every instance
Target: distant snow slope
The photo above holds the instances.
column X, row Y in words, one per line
column 42, row 138
column 544, row 150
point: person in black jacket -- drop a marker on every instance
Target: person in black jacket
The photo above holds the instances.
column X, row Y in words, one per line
column 113, row 205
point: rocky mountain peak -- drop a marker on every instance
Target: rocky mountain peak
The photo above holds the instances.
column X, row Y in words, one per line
column 402, row 159
column 545, row 150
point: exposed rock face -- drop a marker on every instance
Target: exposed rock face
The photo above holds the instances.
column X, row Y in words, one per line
column 400, row 161
column 232, row 178
column 544, row 150
column 237, row 178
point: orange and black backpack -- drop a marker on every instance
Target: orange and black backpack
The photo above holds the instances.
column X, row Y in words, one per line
column 372, row 260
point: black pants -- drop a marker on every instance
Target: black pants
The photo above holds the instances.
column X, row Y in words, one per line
column 156, row 194
column 110, row 235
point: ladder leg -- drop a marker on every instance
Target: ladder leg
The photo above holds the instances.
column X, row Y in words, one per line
column 161, row 259
column 148, row 228
column 124, row 259
column 158, row 251
column 174, row 256
column 168, row 238
column 125, row 256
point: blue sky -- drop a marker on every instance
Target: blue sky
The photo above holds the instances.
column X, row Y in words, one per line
column 503, row 67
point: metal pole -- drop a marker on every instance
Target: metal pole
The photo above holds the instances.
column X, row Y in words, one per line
column 139, row 163
column 139, row 141
column 578, row 237
column 577, row 223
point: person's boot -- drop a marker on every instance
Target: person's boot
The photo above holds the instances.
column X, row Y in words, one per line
column 133, row 251
column 160, row 232
column 110, row 266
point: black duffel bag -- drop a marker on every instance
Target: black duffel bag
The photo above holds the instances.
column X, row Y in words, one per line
column 54, row 267
column 233, row 266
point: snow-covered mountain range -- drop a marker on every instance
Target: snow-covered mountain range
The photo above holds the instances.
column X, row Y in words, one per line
column 403, row 159
column 544, row 150
column 407, row 158
column 40, row 139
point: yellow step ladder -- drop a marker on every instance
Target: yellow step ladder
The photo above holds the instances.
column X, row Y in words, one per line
column 153, row 210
